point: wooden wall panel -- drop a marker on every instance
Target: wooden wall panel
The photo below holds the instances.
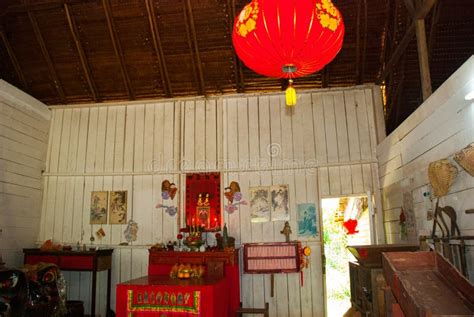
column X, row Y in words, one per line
column 440, row 127
column 24, row 134
column 252, row 139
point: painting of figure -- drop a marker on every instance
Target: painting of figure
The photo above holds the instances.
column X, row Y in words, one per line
column 118, row 207
column 259, row 204
column 307, row 220
column 280, row 204
column 98, row 207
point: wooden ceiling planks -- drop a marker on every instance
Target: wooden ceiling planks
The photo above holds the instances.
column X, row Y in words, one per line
column 184, row 48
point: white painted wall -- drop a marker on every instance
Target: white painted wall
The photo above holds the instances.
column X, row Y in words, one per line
column 325, row 148
column 24, row 127
column 440, row 127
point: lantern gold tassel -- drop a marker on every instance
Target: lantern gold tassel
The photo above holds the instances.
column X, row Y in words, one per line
column 290, row 95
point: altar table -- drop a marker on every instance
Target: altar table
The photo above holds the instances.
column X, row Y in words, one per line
column 162, row 296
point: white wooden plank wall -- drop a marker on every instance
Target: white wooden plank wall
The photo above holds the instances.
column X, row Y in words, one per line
column 440, row 127
column 24, row 128
column 322, row 148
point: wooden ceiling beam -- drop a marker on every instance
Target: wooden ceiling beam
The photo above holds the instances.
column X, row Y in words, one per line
column 385, row 36
column 47, row 57
column 238, row 71
column 118, row 49
column 421, row 12
column 44, row 5
column 361, row 48
column 150, row 9
column 14, row 60
column 80, row 51
column 188, row 7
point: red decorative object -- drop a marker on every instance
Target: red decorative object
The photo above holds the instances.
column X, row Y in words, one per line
column 351, row 226
column 272, row 257
column 203, row 202
column 287, row 39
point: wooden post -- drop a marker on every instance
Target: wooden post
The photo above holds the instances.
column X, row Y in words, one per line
column 423, row 59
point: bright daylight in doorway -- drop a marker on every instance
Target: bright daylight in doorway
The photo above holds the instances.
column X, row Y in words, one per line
column 345, row 222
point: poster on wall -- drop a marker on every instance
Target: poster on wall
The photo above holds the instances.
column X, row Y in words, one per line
column 98, row 207
column 118, row 207
column 307, row 220
column 259, row 204
column 279, row 203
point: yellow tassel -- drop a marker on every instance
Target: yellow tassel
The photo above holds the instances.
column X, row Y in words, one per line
column 290, row 95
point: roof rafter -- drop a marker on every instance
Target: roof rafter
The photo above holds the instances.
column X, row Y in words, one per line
column 238, row 72
column 80, row 51
column 117, row 48
column 420, row 13
column 13, row 59
column 189, row 10
column 150, row 9
column 47, row 57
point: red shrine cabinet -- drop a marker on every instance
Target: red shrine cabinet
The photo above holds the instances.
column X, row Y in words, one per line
column 217, row 293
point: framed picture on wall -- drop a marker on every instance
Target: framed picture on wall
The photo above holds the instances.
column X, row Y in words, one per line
column 259, row 204
column 98, row 211
column 279, row 203
column 118, row 207
column 308, row 221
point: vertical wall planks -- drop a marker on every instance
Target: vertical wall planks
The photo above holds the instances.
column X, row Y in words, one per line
column 211, row 135
column 352, row 125
column 82, row 141
column 231, row 156
column 253, row 139
column 341, row 127
column 254, row 150
column 109, row 148
column 129, row 146
column 91, row 139
column 73, row 140
column 319, row 128
column 308, row 127
column 148, row 140
column 243, row 134
column 189, row 143
column 200, row 135
column 274, row 150
column 264, row 125
column 330, row 126
column 139, row 139
column 362, row 121
column 56, row 129
column 65, row 141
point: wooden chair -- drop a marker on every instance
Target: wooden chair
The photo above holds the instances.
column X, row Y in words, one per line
column 263, row 311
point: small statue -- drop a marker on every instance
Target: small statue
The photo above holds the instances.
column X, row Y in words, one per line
column 286, row 231
column 225, row 236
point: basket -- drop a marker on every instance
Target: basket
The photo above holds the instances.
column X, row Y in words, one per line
column 441, row 174
column 465, row 158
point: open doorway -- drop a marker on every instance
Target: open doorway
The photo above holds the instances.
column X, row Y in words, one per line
column 345, row 222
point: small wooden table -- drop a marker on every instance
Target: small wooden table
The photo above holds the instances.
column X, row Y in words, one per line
column 89, row 261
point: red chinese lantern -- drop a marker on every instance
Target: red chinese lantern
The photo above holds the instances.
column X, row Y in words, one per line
column 288, row 38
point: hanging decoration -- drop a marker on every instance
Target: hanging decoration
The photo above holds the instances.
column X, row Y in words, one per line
column 288, row 39
column 168, row 189
column 233, row 193
column 131, row 231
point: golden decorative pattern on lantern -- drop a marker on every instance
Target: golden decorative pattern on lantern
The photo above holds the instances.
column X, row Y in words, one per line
column 328, row 15
column 247, row 19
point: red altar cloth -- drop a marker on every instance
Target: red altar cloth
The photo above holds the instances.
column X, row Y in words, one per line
column 158, row 295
